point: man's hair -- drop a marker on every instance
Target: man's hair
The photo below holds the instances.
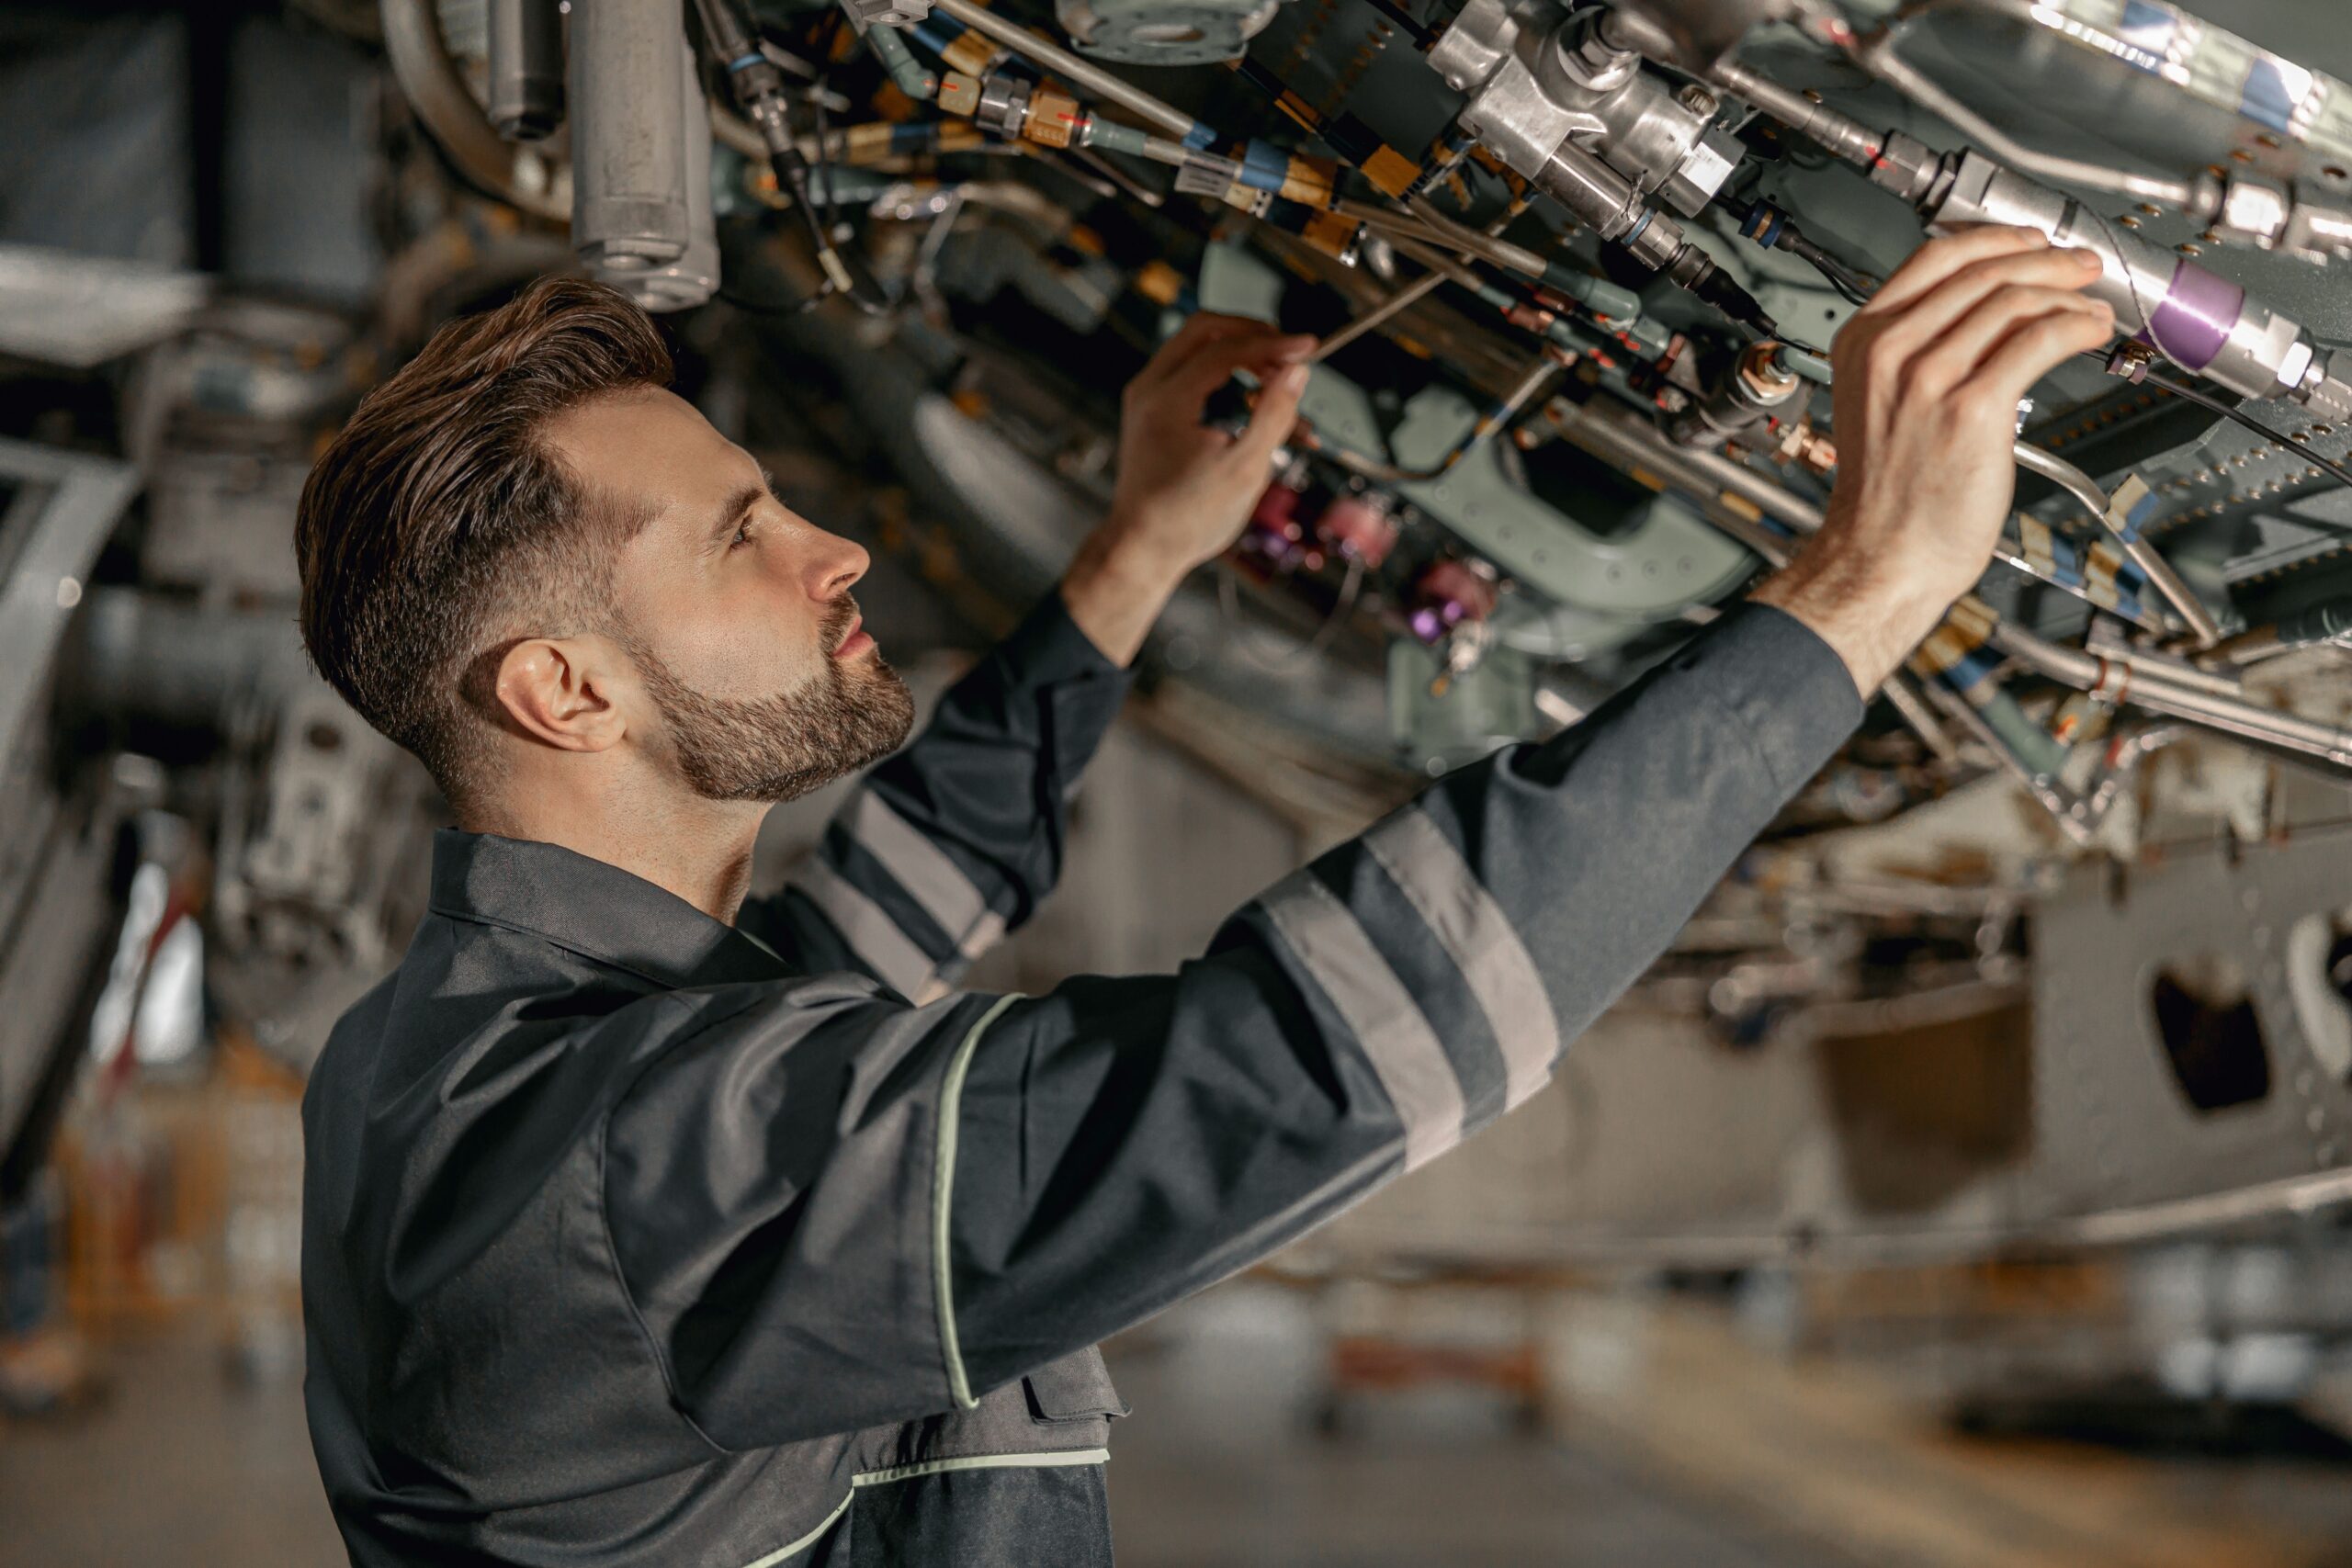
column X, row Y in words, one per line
column 438, row 528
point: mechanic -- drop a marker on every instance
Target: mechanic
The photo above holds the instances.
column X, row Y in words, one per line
column 647, row 1220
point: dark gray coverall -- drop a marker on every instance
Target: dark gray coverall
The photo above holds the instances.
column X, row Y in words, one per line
column 629, row 1238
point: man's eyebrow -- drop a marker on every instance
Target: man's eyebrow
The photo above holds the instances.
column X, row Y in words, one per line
column 740, row 502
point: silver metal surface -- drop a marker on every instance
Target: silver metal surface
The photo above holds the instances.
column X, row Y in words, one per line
column 1558, row 98
column 2120, row 678
column 630, row 212
column 66, row 506
column 524, row 101
column 1073, row 69
column 2143, row 554
column 1164, row 32
column 2261, row 354
column 436, row 90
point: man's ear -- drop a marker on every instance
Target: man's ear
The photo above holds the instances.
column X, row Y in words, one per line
column 557, row 692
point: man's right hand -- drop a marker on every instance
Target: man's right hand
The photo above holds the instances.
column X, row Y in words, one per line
column 1927, row 379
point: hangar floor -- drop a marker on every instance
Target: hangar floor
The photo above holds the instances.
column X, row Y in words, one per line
column 1717, row 1455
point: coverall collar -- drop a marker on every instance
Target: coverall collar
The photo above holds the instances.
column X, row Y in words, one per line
column 590, row 907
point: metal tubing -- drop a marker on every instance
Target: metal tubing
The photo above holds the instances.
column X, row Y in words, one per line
column 524, row 99
column 694, row 276
column 1876, row 54
column 436, row 89
column 2141, row 552
column 1403, row 299
column 1042, row 52
column 1443, row 232
column 628, row 200
column 2158, row 691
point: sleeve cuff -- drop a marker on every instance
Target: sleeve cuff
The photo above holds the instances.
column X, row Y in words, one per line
column 1776, row 677
column 1047, row 649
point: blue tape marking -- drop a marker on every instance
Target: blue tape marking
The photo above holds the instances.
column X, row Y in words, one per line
column 1199, row 138
column 2146, row 33
column 754, row 58
column 931, row 38
column 2265, row 99
column 1639, row 224
column 1262, row 166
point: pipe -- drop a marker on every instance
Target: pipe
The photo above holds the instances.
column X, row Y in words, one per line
column 628, row 158
column 1042, row 52
column 421, row 64
column 526, row 89
column 1453, row 236
column 1876, row 54
column 2135, row 548
column 2125, row 679
column 1403, row 299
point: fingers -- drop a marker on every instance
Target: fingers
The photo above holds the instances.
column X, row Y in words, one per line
column 1908, row 330
column 1273, row 419
column 1957, row 356
column 1210, row 365
column 2034, row 350
column 1200, row 328
column 1937, row 260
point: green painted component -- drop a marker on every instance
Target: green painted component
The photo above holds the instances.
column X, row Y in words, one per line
column 1109, row 136
column 1671, row 558
column 2031, row 745
column 914, row 78
column 1595, row 294
column 1491, row 706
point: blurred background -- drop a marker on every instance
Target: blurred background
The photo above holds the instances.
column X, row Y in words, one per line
column 221, row 224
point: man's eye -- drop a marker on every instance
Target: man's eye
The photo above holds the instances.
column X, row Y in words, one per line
column 743, row 534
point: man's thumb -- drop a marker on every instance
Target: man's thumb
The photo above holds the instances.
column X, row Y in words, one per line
column 1276, row 413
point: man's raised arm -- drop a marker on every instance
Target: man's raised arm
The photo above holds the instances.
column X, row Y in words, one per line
column 954, row 841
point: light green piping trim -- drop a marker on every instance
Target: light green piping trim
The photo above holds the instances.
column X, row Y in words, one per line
column 943, row 1184
column 806, row 1541
column 983, row 1461
column 932, row 1467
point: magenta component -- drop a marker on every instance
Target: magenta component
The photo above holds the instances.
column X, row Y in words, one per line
column 1447, row 594
column 1358, row 527
column 1275, row 533
column 2194, row 320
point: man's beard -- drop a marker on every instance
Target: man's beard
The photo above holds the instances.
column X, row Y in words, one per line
column 776, row 748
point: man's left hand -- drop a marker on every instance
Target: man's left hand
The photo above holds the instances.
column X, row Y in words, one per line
column 1184, row 490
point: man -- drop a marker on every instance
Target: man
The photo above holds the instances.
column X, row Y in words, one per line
column 649, row 1222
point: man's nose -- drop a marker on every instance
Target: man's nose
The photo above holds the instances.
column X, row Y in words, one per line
column 834, row 565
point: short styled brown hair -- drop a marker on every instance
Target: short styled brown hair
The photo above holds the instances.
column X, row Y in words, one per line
column 438, row 527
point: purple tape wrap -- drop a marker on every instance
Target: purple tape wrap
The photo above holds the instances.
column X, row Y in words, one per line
column 2194, row 321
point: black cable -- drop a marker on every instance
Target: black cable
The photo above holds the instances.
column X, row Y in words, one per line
column 2335, row 470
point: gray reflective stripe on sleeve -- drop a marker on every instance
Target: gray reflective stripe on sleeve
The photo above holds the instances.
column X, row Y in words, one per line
column 943, row 1194
column 931, row 879
column 1390, row 1027
column 876, row 938
column 1479, row 938
column 1050, row 1460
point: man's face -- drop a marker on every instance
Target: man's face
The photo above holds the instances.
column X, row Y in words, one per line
column 757, row 680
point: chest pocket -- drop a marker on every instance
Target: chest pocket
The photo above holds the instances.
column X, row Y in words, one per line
column 1076, row 1388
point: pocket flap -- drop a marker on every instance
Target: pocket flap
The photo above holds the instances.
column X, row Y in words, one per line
column 1076, row 1388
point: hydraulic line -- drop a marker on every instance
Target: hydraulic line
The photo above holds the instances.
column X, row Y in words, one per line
column 758, row 88
column 2114, row 514
column 2120, row 677
column 1044, row 52
column 1875, row 52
